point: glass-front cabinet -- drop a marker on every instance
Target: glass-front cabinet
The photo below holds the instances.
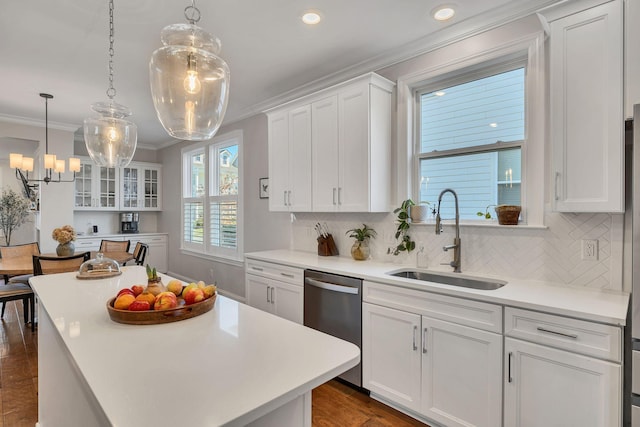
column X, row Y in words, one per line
column 140, row 187
column 96, row 187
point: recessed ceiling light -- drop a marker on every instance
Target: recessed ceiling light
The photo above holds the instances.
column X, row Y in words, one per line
column 311, row 17
column 493, row 125
column 443, row 13
column 440, row 93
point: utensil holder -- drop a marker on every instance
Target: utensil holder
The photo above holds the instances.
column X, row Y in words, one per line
column 326, row 246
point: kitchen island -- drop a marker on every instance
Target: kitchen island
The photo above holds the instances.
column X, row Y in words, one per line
column 234, row 365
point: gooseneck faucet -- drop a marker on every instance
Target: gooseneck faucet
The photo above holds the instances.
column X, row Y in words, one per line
column 456, row 241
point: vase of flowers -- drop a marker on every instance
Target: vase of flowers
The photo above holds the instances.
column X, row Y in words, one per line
column 64, row 236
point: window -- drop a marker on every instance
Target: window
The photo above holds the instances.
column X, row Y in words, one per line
column 471, row 133
column 211, row 220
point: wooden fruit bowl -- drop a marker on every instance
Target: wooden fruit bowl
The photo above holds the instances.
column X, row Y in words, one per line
column 152, row 317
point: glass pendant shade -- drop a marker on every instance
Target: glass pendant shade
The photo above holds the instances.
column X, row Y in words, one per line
column 110, row 139
column 189, row 82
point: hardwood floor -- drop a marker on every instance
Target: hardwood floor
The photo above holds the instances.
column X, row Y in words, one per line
column 334, row 404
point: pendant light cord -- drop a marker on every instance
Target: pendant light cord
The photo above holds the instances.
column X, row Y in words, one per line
column 192, row 13
column 111, row 92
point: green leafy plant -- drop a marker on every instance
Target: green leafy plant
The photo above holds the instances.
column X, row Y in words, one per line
column 406, row 244
column 486, row 214
column 14, row 211
column 361, row 234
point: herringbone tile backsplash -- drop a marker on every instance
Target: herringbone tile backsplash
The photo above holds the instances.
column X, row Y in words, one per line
column 551, row 254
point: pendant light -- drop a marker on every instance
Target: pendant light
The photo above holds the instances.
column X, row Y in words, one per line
column 110, row 138
column 51, row 163
column 189, row 81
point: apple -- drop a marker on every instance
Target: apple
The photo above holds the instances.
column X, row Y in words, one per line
column 123, row 301
column 125, row 291
column 209, row 291
column 148, row 297
column 165, row 300
column 193, row 295
column 175, row 286
column 139, row 305
column 137, row 289
column 187, row 288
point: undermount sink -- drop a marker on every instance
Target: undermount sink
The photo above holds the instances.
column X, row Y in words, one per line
column 466, row 282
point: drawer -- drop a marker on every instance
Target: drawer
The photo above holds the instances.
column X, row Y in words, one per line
column 578, row 336
column 283, row 273
column 476, row 314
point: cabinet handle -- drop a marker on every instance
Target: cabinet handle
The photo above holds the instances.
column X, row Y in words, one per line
column 424, row 341
column 289, row 275
column 555, row 185
column 510, row 379
column 289, row 198
column 268, row 287
column 284, row 197
column 273, row 300
column 562, row 334
column 256, row 268
column 334, row 195
column 339, row 195
column 415, row 330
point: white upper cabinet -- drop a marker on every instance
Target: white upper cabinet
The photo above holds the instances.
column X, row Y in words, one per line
column 348, row 131
column 140, row 186
column 96, row 187
column 290, row 159
column 587, row 123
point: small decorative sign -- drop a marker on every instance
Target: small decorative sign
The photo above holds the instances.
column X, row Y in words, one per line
column 264, row 188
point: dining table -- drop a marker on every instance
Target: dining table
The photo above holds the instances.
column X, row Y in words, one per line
column 24, row 264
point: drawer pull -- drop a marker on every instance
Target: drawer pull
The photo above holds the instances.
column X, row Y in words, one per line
column 562, row 334
column 256, row 268
column 291, row 276
column 268, row 287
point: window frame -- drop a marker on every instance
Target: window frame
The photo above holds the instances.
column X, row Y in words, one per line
column 211, row 167
column 531, row 47
column 461, row 77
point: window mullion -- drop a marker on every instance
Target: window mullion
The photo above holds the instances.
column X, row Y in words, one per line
column 497, row 146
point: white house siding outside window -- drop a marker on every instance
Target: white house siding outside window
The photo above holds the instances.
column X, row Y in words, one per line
column 211, row 196
column 471, row 131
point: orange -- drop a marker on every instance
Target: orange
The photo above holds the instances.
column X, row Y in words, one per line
column 146, row 296
column 123, row 301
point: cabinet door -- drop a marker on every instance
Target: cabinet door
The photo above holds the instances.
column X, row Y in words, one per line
column 586, row 59
column 84, row 197
column 151, row 185
column 107, row 190
column 259, row 291
column 288, row 301
column 461, row 374
column 278, row 161
column 545, row 387
column 391, row 354
column 299, row 192
column 130, row 179
column 324, row 141
column 354, row 154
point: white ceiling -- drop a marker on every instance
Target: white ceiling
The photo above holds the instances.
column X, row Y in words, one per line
column 61, row 47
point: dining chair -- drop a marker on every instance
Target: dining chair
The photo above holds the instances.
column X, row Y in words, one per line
column 16, row 251
column 43, row 264
column 115, row 245
column 140, row 253
column 19, row 291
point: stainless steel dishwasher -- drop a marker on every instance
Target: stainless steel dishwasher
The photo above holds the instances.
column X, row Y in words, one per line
column 333, row 305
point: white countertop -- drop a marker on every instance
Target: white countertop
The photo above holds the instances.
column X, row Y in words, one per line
column 228, row 366
column 604, row 306
column 107, row 235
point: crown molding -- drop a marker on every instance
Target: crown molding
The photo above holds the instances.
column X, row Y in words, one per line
column 6, row 118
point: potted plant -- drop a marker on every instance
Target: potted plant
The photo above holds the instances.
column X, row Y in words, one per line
column 65, row 236
column 360, row 250
column 406, row 244
column 507, row 214
column 14, row 211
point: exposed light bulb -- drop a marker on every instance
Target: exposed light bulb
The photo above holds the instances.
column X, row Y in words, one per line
column 112, row 134
column 192, row 82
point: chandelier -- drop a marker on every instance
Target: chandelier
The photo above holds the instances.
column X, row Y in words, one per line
column 189, row 81
column 51, row 163
column 110, row 138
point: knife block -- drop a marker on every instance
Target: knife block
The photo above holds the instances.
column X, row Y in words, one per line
column 326, row 246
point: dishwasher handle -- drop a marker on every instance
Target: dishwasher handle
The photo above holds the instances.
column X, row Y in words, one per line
column 331, row 286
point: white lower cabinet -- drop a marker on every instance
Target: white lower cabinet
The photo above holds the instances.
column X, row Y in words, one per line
column 548, row 383
column 275, row 289
column 157, row 255
column 439, row 370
